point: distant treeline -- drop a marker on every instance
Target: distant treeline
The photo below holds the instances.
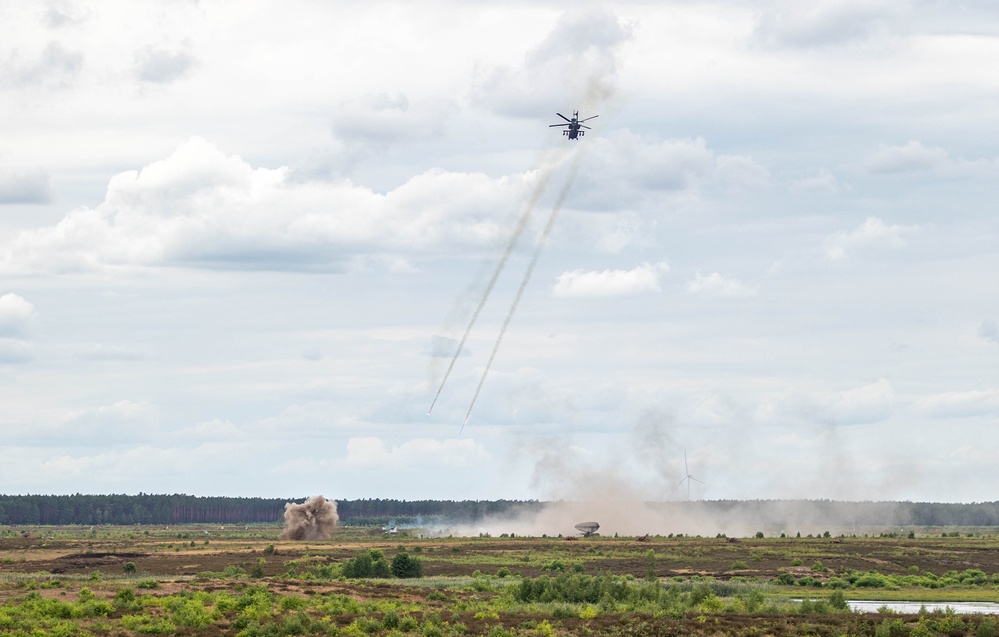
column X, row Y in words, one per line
column 776, row 515
column 188, row 509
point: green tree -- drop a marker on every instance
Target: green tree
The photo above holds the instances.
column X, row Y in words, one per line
column 404, row 566
column 370, row 564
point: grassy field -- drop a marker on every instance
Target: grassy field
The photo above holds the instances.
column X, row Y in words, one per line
column 209, row 580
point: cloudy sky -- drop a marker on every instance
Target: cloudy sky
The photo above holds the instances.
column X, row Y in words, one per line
column 241, row 241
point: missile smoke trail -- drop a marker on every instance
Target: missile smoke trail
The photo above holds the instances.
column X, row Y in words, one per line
column 570, row 178
column 547, row 169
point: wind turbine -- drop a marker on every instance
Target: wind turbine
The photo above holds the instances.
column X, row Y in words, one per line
column 687, row 477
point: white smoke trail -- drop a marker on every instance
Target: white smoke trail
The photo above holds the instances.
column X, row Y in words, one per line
column 570, row 178
column 545, row 173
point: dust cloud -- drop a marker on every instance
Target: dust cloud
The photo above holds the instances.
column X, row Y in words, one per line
column 635, row 492
column 313, row 519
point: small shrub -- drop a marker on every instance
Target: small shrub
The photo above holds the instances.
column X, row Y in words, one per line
column 563, row 611
column 291, row 602
column 406, row 566
column 147, row 625
column 125, row 599
column 837, row 583
column 883, row 629
column 986, row 627
column 589, row 612
column 785, row 579
column 838, row 600
column 390, row 620
column 871, row 580
column 407, row 624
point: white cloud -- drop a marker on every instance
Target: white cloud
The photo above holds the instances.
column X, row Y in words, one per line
column 873, row 233
column 861, row 405
column 216, row 429
column 963, row 404
column 129, row 469
column 742, row 174
column 15, row 350
column 909, row 157
column 675, row 164
column 101, row 352
column 15, row 315
column 915, row 157
column 61, row 13
column 55, row 66
column 716, row 284
column 640, row 170
column 201, row 207
column 371, row 453
column 821, row 181
column 382, row 119
column 826, row 22
column 577, row 59
column 159, row 66
column 989, row 330
column 578, row 284
column 24, row 186
column 116, row 424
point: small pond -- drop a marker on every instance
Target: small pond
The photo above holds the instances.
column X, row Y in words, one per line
column 911, row 608
column 866, row 606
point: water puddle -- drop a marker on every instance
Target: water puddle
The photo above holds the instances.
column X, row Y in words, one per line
column 961, row 608
column 911, row 608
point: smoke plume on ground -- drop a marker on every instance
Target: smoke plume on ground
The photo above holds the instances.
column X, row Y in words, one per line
column 313, row 519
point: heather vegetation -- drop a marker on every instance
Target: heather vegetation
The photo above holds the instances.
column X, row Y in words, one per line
column 123, row 581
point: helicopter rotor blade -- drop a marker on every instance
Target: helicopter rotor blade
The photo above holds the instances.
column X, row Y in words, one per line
column 581, row 126
column 589, row 118
column 554, row 125
column 563, row 117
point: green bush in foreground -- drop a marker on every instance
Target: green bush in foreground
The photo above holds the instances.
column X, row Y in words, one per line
column 405, row 566
column 370, row 564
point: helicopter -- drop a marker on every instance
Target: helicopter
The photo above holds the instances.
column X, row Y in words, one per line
column 574, row 125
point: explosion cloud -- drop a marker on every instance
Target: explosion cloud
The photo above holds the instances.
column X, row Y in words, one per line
column 314, row 519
